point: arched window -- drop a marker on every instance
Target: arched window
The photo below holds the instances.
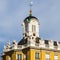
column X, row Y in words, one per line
column 26, row 27
column 33, row 28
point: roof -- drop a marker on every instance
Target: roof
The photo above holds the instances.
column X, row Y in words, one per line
column 54, row 42
column 22, row 41
column 28, row 19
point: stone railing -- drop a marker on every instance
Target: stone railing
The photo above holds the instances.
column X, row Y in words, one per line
column 56, row 47
column 13, row 47
column 47, row 46
column 53, row 47
column 34, row 45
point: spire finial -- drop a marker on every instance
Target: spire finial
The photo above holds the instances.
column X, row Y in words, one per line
column 31, row 3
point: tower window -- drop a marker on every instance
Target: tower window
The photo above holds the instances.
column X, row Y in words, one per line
column 26, row 27
column 33, row 28
column 37, row 56
column 19, row 56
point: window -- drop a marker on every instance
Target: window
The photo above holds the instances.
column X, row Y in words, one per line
column 37, row 57
column 55, row 57
column 19, row 56
column 33, row 28
column 26, row 27
column 47, row 57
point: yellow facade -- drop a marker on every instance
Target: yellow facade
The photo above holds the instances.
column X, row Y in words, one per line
column 52, row 55
column 59, row 56
column 7, row 57
column 31, row 54
column 14, row 56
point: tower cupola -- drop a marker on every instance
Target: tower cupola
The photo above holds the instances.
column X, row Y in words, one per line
column 31, row 25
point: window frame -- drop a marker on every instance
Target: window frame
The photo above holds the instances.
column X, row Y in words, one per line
column 33, row 28
column 55, row 57
column 47, row 56
column 37, row 56
column 19, row 56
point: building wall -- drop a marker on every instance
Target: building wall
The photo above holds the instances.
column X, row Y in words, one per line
column 59, row 56
column 13, row 57
column 43, row 54
column 19, row 52
column 7, row 57
column 52, row 55
column 31, row 54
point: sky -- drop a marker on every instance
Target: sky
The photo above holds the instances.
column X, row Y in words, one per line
column 13, row 12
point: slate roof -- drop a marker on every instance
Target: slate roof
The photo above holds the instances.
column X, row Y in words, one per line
column 22, row 41
column 54, row 42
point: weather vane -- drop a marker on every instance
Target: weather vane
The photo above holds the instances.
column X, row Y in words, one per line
column 31, row 3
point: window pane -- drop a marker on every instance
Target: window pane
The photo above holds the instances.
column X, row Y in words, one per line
column 26, row 27
column 36, row 55
column 47, row 57
column 19, row 56
column 56, row 57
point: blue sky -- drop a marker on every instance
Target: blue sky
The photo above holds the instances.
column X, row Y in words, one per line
column 13, row 12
